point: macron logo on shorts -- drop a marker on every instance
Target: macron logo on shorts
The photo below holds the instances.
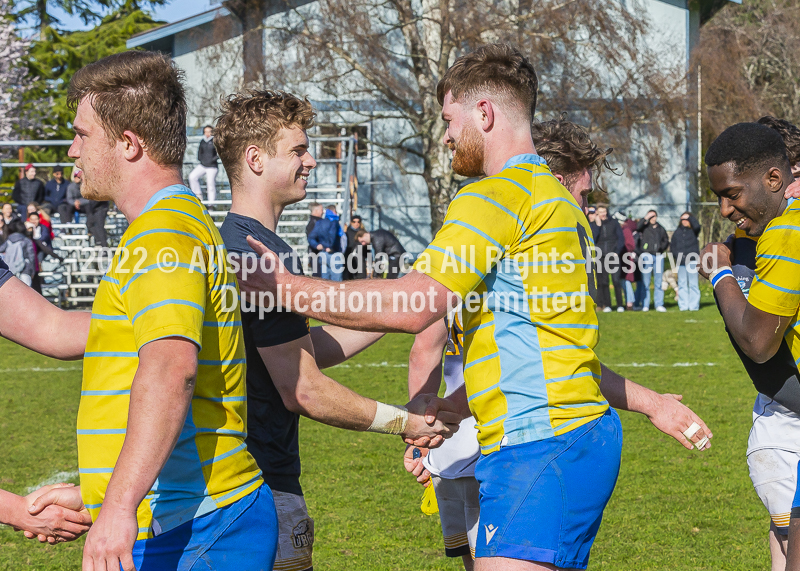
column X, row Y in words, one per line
column 490, row 531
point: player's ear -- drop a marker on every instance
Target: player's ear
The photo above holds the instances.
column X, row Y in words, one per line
column 485, row 112
column 775, row 179
column 560, row 178
column 254, row 157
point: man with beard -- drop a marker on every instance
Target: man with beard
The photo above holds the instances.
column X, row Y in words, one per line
column 531, row 375
column 750, row 172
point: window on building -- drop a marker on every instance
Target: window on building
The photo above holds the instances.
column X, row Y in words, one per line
column 331, row 149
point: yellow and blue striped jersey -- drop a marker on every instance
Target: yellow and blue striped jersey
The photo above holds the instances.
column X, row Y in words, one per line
column 776, row 287
column 517, row 241
column 168, row 279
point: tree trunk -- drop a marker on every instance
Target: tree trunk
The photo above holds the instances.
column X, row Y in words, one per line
column 44, row 18
column 251, row 13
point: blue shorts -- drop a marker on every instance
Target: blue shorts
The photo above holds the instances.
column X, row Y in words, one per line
column 543, row 501
column 240, row 537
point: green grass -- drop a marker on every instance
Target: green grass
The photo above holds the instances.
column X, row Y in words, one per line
column 672, row 509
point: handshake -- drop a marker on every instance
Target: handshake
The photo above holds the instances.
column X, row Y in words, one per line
column 430, row 420
column 53, row 514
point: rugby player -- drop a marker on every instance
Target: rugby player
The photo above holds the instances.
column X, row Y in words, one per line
column 749, row 170
column 573, row 160
column 164, row 467
column 531, row 374
column 262, row 141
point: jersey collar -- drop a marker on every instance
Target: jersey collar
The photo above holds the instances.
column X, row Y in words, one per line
column 173, row 190
column 525, row 158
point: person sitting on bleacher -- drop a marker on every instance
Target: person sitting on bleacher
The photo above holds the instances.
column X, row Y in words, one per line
column 18, row 253
column 74, row 201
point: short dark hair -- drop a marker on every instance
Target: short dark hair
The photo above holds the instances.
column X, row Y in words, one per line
column 208, row 127
column 141, row 92
column 497, row 68
column 748, row 146
column 566, row 147
column 788, row 132
column 355, row 217
column 360, row 233
column 16, row 226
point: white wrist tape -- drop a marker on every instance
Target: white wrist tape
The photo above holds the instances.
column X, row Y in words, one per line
column 389, row 419
column 721, row 272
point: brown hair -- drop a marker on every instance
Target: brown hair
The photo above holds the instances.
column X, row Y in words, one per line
column 567, row 148
column 140, row 92
column 789, row 133
column 360, row 233
column 497, row 68
column 256, row 118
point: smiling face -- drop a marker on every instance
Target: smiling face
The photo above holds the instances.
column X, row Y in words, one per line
column 290, row 167
column 750, row 199
column 95, row 155
column 8, row 210
column 31, row 173
column 463, row 139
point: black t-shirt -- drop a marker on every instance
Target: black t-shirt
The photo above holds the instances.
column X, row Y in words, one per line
column 5, row 273
column 272, row 430
column 778, row 377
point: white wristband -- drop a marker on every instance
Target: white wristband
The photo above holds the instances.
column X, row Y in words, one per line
column 713, row 274
column 389, row 419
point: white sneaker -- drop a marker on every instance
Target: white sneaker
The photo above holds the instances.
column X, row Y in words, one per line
column 620, row 309
column 606, row 310
column 661, row 309
column 646, row 308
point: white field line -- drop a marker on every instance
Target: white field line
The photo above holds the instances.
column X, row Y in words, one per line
column 40, row 369
column 56, row 478
column 365, row 365
column 640, row 365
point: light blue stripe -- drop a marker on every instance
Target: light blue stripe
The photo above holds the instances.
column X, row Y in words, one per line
column 92, row 506
column 487, row 446
column 552, row 263
column 227, row 454
column 222, row 324
column 783, row 227
column 225, row 362
column 143, row 271
column 453, row 255
column 570, row 377
column 95, row 470
column 492, row 202
column 237, row 490
column 168, row 192
column 557, row 199
column 104, row 393
column 477, row 231
column 521, row 186
column 101, row 317
column 564, row 347
column 581, row 404
column 558, row 229
column 481, row 360
column 564, row 293
column 179, row 212
column 782, row 258
column 144, row 530
column 114, row 281
column 225, row 431
column 479, row 327
column 102, row 431
column 161, row 231
column 222, row 287
column 570, row 423
column 91, row 354
column 168, row 302
column 766, row 283
column 525, row 158
column 223, row 399
column 483, row 392
column 495, row 420
column 566, row 325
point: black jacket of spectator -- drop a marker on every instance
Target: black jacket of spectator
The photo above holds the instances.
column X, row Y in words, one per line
column 684, row 241
column 312, row 221
column 383, row 241
column 608, row 237
column 207, row 154
column 27, row 191
column 55, row 193
column 653, row 239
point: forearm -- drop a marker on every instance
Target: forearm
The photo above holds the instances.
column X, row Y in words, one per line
column 758, row 343
column 13, row 510
column 30, row 320
column 425, row 360
column 624, row 394
column 320, row 398
column 160, row 397
column 460, row 401
column 334, row 345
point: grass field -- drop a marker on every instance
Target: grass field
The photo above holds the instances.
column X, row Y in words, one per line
column 672, row 509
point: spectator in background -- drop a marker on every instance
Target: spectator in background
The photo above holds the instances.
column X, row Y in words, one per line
column 608, row 238
column 55, row 191
column 74, row 202
column 96, row 221
column 628, row 233
column 386, row 250
column 590, row 214
column 208, row 167
column 18, row 252
column 317, row 212
column 324, row 240
column 355, row 254
column 3, row 230
column 685, row 245
column 653, row 242
column 27, row 189
column 8, row 213
column 331, row 214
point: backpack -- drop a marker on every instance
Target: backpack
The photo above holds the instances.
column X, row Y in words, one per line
column 14, row 257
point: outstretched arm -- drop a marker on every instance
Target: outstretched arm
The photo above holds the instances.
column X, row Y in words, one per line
column 334, row 345
column 666, row 412
column 30, row 320
column 425, row 360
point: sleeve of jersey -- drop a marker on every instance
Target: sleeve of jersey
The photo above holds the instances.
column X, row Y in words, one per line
column 776, row 288
column 166, row 295
column 277, row 328
column 476, row 232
